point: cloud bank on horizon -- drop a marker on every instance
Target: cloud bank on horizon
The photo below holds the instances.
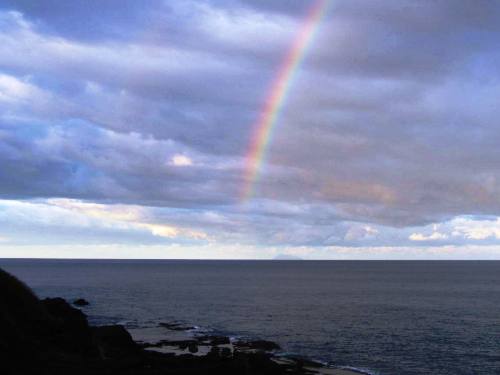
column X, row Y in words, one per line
column 125, row 128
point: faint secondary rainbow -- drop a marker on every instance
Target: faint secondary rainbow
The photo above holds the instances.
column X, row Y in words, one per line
column 277, row 96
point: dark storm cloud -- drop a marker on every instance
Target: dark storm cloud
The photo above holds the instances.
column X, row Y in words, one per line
column 391, row 120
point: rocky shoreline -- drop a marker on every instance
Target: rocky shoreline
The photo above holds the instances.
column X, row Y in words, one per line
column 52, row 337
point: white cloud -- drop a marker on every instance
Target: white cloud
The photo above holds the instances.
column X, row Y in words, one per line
column 476, row 229
column 14, row 90
column 133, row 216
column 71, row 213
column 462, row 228
column 435, row 236
column 179, row 160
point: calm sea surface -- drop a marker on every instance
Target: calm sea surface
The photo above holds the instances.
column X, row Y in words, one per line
column 391, row 318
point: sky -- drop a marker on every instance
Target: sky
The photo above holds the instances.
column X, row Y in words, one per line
column 127, row 127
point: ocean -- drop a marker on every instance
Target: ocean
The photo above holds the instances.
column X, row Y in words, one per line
column 385, row 317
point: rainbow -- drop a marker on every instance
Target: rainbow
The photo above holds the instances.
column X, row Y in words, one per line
column 277, row 97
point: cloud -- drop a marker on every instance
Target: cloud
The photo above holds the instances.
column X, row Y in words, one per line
column 431, row 237
column 130, row 216
column 389, row 126
column 13, row 90
column 68, row 221
column 434, row 236
column 181, row 161
column 476, row 229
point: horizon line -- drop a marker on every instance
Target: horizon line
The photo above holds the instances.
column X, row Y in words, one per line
column 258, row 259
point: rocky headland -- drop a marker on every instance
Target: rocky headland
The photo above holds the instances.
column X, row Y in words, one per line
column 50, row 336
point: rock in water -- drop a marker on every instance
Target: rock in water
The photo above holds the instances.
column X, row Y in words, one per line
column 81, row 302
column 263, row 345
column 176, row 326
column 193, row 348
column 213, row 340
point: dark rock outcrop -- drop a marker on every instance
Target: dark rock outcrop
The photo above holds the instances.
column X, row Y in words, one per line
column 262, row 345
column 213, row 340
column 81, row 302
column 176, row 326
column 193, row 348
